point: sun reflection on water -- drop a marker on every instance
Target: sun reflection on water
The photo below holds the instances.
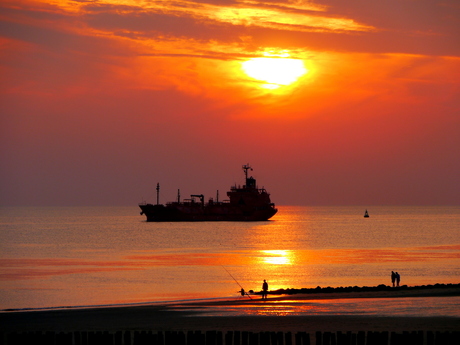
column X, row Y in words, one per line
column 408, row 306
column 277, row 257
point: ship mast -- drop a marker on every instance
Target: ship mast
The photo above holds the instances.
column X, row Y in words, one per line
column 158, row 193
column 246, row 167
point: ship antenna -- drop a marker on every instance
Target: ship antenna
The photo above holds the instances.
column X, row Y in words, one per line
column 158, row 193
column 246, row 167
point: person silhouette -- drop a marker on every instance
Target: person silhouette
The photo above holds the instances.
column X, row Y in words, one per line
column 393, row 278
column 398, row 278
column 264, row 289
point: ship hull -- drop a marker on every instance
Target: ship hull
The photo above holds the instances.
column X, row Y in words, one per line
column 168, row 213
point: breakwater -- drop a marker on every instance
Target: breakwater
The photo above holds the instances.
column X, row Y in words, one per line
column 435, row 289
column 229, row 338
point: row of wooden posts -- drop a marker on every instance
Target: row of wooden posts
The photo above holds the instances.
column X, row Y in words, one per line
column 229, row 338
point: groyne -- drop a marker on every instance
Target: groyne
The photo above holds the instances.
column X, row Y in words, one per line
column 230, row 338
column 434, row 289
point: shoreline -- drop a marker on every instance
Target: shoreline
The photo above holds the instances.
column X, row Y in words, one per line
column 380, row 291
column 180, row 316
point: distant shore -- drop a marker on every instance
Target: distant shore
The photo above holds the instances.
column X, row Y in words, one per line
column 186, row 316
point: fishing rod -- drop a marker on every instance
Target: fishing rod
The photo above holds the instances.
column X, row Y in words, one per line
column 242, row 290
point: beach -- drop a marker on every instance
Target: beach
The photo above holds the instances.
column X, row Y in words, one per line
column 211, row 315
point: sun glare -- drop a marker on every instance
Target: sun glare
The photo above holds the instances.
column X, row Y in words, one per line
column 274, row 72
column 277, row 257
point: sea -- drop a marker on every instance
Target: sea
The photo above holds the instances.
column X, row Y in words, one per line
column 71, row 257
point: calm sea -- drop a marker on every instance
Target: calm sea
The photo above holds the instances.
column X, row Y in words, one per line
column 80, row 256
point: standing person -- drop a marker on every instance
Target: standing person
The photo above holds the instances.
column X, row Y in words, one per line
column 393, row 278
column 398, row 278
column 264, row 289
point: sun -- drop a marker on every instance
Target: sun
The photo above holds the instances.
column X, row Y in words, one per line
column 274, row 71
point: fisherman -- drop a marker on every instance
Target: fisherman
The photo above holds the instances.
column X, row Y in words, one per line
column 242, row 292
column 264, row 289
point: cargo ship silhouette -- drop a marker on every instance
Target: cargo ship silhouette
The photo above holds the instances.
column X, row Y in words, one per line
column 246, row 203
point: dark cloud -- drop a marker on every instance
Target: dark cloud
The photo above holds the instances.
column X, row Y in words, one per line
column 371, row 42
column 403, row 16
column 145, row 24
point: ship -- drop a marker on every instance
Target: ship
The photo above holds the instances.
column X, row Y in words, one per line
column 245, row 203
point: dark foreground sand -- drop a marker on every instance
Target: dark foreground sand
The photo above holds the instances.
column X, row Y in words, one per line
column 173, row 317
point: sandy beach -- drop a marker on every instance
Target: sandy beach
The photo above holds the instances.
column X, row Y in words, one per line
column 192, row 316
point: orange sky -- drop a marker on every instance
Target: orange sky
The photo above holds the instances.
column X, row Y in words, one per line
column 102, row 99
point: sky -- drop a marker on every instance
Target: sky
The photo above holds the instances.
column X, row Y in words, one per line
column 331, row 102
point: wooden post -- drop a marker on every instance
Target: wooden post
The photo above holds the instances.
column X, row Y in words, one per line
column 253, row 338
column 319, row 338
column 327, row 338
column 288, row 338
column 237, row 338
column 361, row 338
column 265, row 338
column 228, row 338
column 211, row 338
column 302, row 338
column 63, row 338
column 127, row 338
column 244, row 338
column 118, row 338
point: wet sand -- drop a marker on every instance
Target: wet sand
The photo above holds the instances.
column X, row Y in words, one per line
column 189, row 316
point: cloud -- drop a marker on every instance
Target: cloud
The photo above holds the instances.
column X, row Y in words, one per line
column 303, row 16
